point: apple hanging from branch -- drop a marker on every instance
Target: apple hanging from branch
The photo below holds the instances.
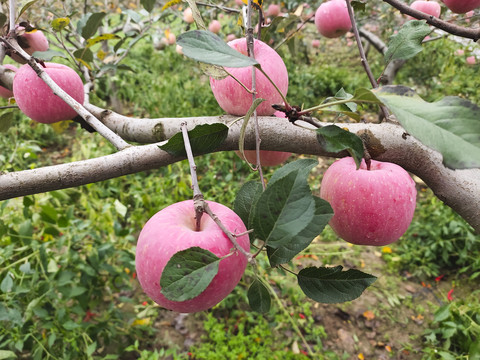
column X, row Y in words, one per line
column 332, row 19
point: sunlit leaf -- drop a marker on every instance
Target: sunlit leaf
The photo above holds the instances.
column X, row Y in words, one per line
column 408, row 41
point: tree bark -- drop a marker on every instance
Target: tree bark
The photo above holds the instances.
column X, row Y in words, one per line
column 460, row 189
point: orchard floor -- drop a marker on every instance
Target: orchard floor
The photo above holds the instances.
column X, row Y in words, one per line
column 387, row 321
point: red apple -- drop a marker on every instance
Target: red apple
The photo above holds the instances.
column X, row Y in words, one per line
column 188, row 15
column 267, row 157
column 371, row 207
column 428, row 7
column 30, row 40
column 332, row 19
column 461, row 6
column 234, row 99
column 4, row 92
column 471, row 60
column 215, row 26
column 36, row 100
column 173, row 229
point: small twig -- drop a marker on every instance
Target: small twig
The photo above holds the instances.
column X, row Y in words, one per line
column 468, row 33
column 198, row 200
column 251, row 53
column 219, row 7
column 232, row 237
column 363, row 57
column 293, row 33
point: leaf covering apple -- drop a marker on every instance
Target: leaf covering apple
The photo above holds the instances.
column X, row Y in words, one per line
column 171, row 231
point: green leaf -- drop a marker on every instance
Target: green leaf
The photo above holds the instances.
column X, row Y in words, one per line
column 26, row 7
column 6, row 121
column 332, row 285
column 358, row 5
column 284, row 253
column 259, row 297
column 283, row 210
column 335, row 139
column 442, row 313
column 206, row 47
column 188, row 273
column 7, row 354
column 408, row 41
column 363, row 95
column 246, row 197
column 94, row 21
column 71, row 325
column 7, row 284
column 59, row 24
column 304, row 166
column 450, row 126
column 3, row 19
column 91, row 348
column 148, row 4
column 84, row 54
column 47, row 55
column 203, row 139
column 99, row 38
column 120, row 208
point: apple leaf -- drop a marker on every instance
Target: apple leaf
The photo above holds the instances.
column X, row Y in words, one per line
column 94, row 21
column 206, row 47
column 246, row 197
column 203, row 139
column 259, row 297
column 286, row 207
column 188, row 273
column 148, row 4
column 335, row 139
column 47, row 55
column 408, row 41
column 332, row 285
column 6, row 120
column 284, row 253
column 3, row 19
column 451, row 125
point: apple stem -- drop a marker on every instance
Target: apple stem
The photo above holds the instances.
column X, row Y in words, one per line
column 198, row 200
column 363, row 57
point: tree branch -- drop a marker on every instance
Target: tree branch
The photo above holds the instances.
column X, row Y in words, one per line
column 385, row 142
column 473, row 33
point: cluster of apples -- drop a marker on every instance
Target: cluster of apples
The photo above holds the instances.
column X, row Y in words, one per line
column 33, row 97
column 433, row 8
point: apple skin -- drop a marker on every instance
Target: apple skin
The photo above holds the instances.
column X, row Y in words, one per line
column 30, row 41
column 273, row 10
column 461, row 6
column 428, row 7
column 215, row 26
column 4, row 92
column 188, row 15
column 173, row 229
column 371, row 207
column 332, row 19
column 267, row 157
column 36, row 100
column 234, row 99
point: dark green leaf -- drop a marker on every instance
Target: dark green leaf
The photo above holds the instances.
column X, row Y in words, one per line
column 48, row 55
column 450, row 126
column 3, row 19
column 205, row 46
column 148, row 4
column 203, row 139
column 408, row 41
column 362, row 95
column 84, row 54
column 332, row 285
column 286, row 252
column 335, row 139
column 283, row 210
column 188, row 273
column 304, row 166
column 6, row 120
column 259, row 297
column 93, row 23
column 358, row 5
column 246, row 197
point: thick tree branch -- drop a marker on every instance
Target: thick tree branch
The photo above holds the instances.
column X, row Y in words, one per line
column 469, row 33
column 386, row 142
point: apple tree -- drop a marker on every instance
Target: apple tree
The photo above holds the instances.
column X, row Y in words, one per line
column 188, row 252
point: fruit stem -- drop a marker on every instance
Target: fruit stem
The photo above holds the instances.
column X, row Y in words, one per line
column 198, row 200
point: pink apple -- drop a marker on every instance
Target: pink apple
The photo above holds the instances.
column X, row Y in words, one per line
column 428, row 7
column 30, row 40
column 371, row 207
column 231, row 37
column 4, row 92
column 215, row 26
column 273, row 10
column 234, row 99
column 36, row 100
column 315, row 43
column 171, row 39
column 239, row 2
column 267, row 157
column 188, row 15
column 461, row 6
column 173, row 229
column 332, row 19
column 470, row 60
